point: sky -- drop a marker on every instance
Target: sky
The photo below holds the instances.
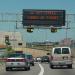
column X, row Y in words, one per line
column 39, row 35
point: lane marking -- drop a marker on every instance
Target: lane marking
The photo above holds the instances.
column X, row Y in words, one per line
column 42, row 69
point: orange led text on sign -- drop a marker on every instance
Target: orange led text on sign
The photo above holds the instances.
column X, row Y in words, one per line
column 43, row 17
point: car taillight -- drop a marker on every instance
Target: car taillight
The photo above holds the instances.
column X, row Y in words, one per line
column 10, row 60
column 71, row 56
column 51, row 57
column 15, row 60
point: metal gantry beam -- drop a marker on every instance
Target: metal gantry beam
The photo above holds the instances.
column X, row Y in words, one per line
column 10, row 17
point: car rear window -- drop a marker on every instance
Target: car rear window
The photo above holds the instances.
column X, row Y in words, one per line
column 57, row 51
column 16, row 55
column 65, row 50
column 45, row 57
column 29, row 56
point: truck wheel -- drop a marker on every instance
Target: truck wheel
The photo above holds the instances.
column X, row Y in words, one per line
column 51, row 66
column 70, row 66
column 7, row 68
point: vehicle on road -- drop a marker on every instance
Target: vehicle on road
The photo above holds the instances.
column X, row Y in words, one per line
column 38, row 59
column 30, row 59
column 44, row 59
column 18, row 51
column 61, row 56
column 17, row 60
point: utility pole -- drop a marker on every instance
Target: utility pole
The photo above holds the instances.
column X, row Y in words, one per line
column 66, row 30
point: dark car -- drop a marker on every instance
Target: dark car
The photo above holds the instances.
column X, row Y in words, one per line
column 44, row 59
column 30, row 59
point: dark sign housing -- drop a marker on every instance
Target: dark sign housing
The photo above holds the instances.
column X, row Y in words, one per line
column 43, row 17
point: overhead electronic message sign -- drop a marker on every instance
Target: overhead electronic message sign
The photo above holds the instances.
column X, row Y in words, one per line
column 43, row 17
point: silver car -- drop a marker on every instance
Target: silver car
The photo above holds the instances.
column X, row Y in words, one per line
column 17, row 60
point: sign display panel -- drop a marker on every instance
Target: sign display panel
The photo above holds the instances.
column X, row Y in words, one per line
column 43, row 17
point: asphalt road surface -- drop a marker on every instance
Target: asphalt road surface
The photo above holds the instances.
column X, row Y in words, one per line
column 41, row 69
column 58, row 70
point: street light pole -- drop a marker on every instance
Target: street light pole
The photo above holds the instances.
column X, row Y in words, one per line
column 67, row 23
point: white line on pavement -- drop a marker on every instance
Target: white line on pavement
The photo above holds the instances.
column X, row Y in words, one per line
column 42, row 69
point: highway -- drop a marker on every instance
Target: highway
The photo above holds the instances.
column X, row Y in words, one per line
column 41, row 69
